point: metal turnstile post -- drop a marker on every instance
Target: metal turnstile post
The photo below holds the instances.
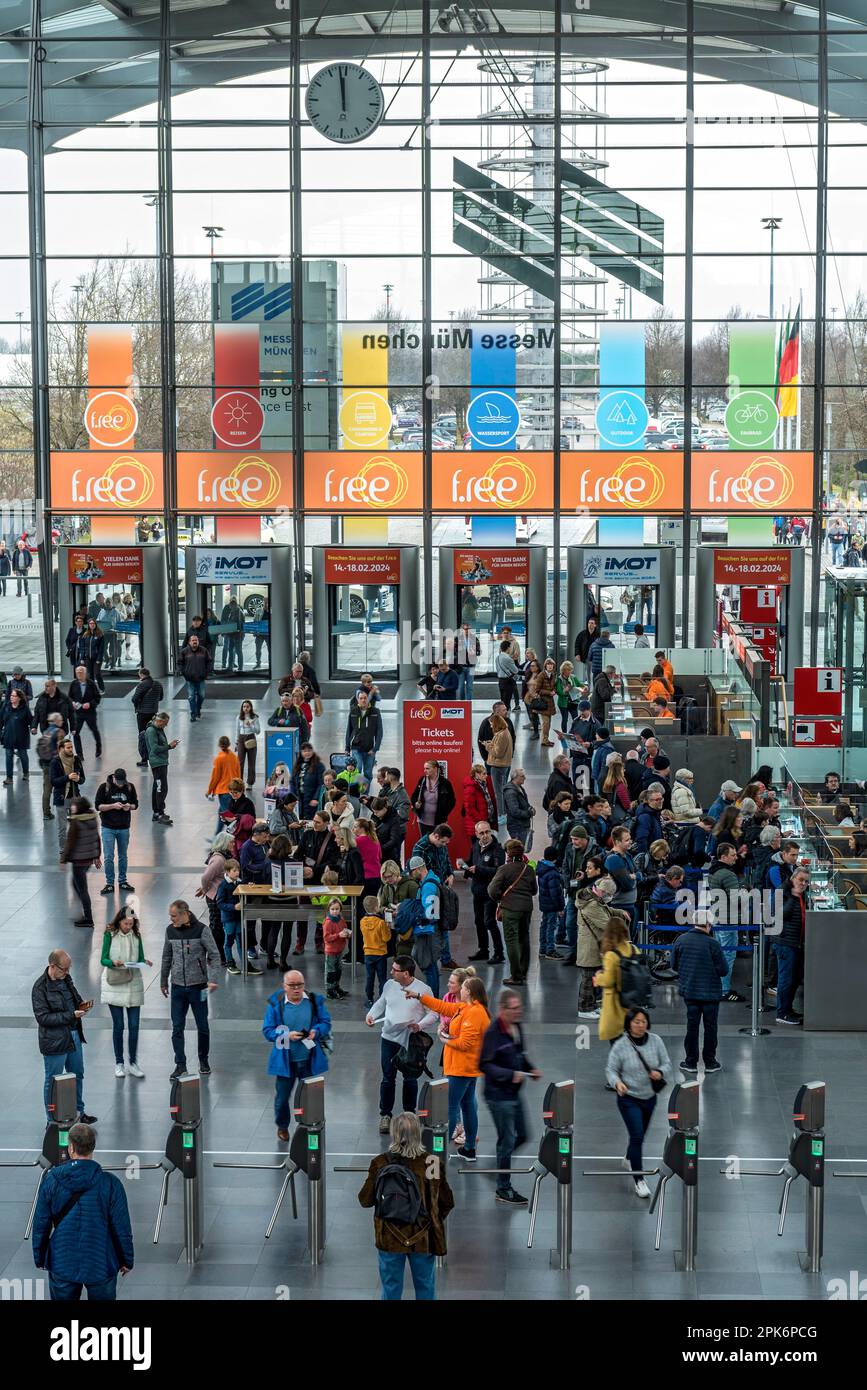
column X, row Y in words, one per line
column 806, row 1159
column 680, row 1159
column 62, row 1108
column 184, row 1155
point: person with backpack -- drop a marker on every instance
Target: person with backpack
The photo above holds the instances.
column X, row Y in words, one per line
column 411, row 1198
column 46, row 752
column 115, row 800
column 594, row 915
column 292, row 1019
column 462, row 1055
column 638, row 1067
column 402, row 1018
column 701, row 967
column 624, row 978
column 513, row 888
column 81, row 1227
column 433, row 850
column 505, row 1066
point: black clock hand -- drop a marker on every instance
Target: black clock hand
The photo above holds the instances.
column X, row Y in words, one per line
column 342, row 92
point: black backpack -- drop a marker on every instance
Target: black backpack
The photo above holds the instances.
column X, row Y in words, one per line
column 411, row 1060
column 681, row 845
column 397, row 1199
column 450, row 908
column 636, row 989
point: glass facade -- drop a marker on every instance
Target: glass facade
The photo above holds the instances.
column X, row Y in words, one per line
column 593, row 274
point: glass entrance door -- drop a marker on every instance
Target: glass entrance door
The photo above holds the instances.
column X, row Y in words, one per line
column 619, row 607
column 239, row 621
column 363, row 620
column 117, row 610
column 487, row 608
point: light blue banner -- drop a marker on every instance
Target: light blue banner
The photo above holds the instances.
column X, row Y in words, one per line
column 621, row 415
column 493, row 417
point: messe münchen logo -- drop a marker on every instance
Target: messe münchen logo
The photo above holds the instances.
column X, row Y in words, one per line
column 111, row 419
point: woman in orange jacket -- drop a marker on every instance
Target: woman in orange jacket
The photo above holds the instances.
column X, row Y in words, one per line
column 658, row 686
column 226, row 768
column 461, row 1055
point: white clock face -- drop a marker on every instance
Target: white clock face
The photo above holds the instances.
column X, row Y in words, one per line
column 344, row 102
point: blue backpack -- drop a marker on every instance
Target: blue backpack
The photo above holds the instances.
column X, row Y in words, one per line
column 410, row 917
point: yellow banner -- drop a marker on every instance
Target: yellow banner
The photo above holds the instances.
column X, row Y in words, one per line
column 365, row 415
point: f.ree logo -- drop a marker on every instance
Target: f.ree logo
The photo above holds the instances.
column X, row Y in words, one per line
column 127, row 482
column 111, row 419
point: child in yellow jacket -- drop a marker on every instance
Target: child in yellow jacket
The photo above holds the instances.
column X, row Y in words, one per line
column 375, row 934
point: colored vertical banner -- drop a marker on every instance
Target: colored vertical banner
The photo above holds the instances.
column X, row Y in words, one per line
column 365, row 415
column 621, row 415
column 110, row 417
column 493, row 417
column 237, row 417
column 752, row 415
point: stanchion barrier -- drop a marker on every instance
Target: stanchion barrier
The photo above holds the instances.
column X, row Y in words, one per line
column 806, row 1159
column 555, row 1157
column 756, row 951
column 307, row 1156
column 184, row 1152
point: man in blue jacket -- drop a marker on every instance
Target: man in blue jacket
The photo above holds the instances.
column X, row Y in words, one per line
column 602, row 748
column 81, row 1231
column 648, row 822
column 701, row 967
column 505, row 1066
column 294, row 1020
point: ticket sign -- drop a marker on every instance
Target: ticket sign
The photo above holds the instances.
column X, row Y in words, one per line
column 762, row 567
column 817, row 733
column 818, row 690
column 89, row 566
column 362, row 567
column 441, row 731
column 491, row 567
column 758, row 605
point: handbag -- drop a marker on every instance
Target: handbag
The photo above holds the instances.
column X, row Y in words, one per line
column 249, row 744
column 117, row 974
column 657, row 1085
column 317, row 706
column 514, row 884
column 536, row 704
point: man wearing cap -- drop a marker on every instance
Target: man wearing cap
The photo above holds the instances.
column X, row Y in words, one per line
column 115, row 800
column 728, row 793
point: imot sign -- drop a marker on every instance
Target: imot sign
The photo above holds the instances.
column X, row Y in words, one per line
column 623, row 566
column 233, row 566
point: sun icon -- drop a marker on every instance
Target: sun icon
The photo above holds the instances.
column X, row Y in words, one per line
column 238, row 412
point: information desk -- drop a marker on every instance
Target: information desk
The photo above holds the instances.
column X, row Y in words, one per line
column 835, row 971
column 259, row 903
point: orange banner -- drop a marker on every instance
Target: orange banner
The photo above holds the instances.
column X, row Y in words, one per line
column 354, row 481
column 603, row 480
column 107, row 482
column 223, row 481
column 485, row 480
column 740, row 481
column 110, row 416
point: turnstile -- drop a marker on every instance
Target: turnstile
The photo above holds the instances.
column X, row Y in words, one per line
column 680, row 1159
column 63, row 1109
column 184, row 1154
column 806, row 1159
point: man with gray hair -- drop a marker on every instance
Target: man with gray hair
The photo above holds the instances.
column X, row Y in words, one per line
column 519, row 812
column 505, row 1067
column 190, row 959
column 58, row 1009
column 81, row 1228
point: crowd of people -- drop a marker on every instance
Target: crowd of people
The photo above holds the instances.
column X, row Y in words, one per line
column 623, row 834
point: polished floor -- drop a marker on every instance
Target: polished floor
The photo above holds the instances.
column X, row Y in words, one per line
column 745, row 1109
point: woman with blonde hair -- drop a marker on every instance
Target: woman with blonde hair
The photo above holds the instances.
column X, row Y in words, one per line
column 614, row 946
column 500, row 749
column 566, row 689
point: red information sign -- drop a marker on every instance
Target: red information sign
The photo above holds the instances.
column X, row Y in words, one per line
column 362, row 567
column 759, row 605
column 817, row 733
column 752, row 567
column 439, row 730
column 492, row 567
column 818, row 690
column 89, row 566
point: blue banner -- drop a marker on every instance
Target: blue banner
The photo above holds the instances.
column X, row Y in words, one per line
column 621, row 415
column 493, row 417
column 281, row 750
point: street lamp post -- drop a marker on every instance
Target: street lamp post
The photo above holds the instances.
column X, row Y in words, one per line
column 388, row 290
column 212, row 233
column 771, row 224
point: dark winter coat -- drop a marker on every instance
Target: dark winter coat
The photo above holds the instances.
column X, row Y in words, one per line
column 58, row 703
column 94, row 1239
column 195, row 665
column 83, row 845
column 551, row 895
column 437, row 1200
column 700, row 965
column 517, row 899
column 54, row 1003
column 15, row 726
column 147, row 696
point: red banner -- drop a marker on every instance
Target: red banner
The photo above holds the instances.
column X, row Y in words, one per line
column 362, row 567
column 237, row 418
column 752, row 567
column 492, row 567
column 440, row 730
column 89, row 566
column 759, row 605
column 817, row 733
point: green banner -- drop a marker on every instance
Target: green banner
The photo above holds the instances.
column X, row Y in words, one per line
column 751, row 414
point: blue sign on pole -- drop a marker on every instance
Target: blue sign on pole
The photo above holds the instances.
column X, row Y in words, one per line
column 281, row 750
column 621, row 419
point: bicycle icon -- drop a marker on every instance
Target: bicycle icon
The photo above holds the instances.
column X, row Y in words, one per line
column 751, row 412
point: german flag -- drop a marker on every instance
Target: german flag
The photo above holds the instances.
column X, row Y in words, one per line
column 788, row 367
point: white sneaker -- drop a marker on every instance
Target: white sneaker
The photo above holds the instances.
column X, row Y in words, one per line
column 626, row 1165
column 641, row 1188
column 589, row 1013
column 133, row 1069
column 120, row 1071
